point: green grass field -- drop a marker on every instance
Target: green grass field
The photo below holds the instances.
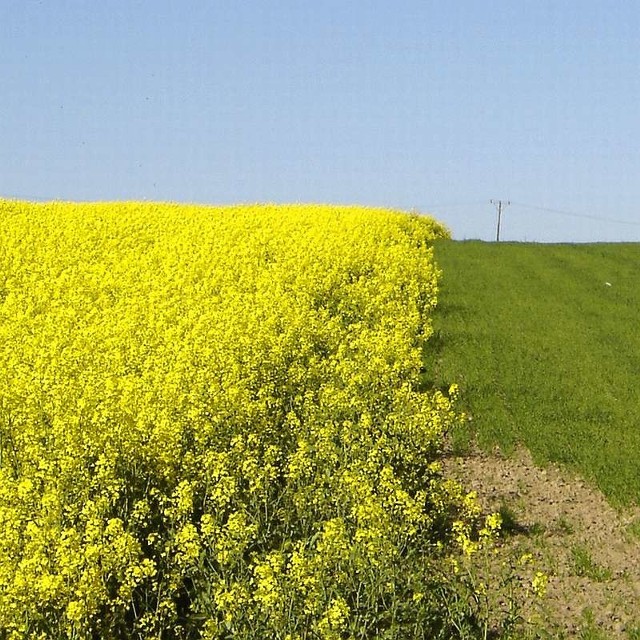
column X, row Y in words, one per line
column 544, row 341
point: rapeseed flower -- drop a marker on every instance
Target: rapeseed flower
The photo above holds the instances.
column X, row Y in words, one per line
column 211, row 422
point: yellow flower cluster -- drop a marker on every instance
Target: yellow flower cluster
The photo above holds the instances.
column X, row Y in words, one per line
column 210, row 420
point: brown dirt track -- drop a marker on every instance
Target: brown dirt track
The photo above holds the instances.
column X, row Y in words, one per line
column 585, row 546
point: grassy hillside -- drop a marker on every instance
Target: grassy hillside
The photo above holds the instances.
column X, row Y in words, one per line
column 544, row 341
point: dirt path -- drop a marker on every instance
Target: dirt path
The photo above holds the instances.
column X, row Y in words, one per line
column 590, row 551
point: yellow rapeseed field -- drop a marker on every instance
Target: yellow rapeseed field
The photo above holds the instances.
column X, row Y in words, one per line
column 211, row 423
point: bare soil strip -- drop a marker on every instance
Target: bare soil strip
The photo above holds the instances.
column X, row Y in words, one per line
column 590, row 551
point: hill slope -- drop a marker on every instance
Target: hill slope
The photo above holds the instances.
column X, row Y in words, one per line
column 544, row 342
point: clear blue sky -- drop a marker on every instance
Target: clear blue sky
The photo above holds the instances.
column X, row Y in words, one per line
column 437, row 106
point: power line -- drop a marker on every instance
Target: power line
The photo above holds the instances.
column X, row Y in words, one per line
column 573, row 214
column 522, row 205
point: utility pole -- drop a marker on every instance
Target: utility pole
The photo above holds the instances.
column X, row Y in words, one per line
column 499, row 205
